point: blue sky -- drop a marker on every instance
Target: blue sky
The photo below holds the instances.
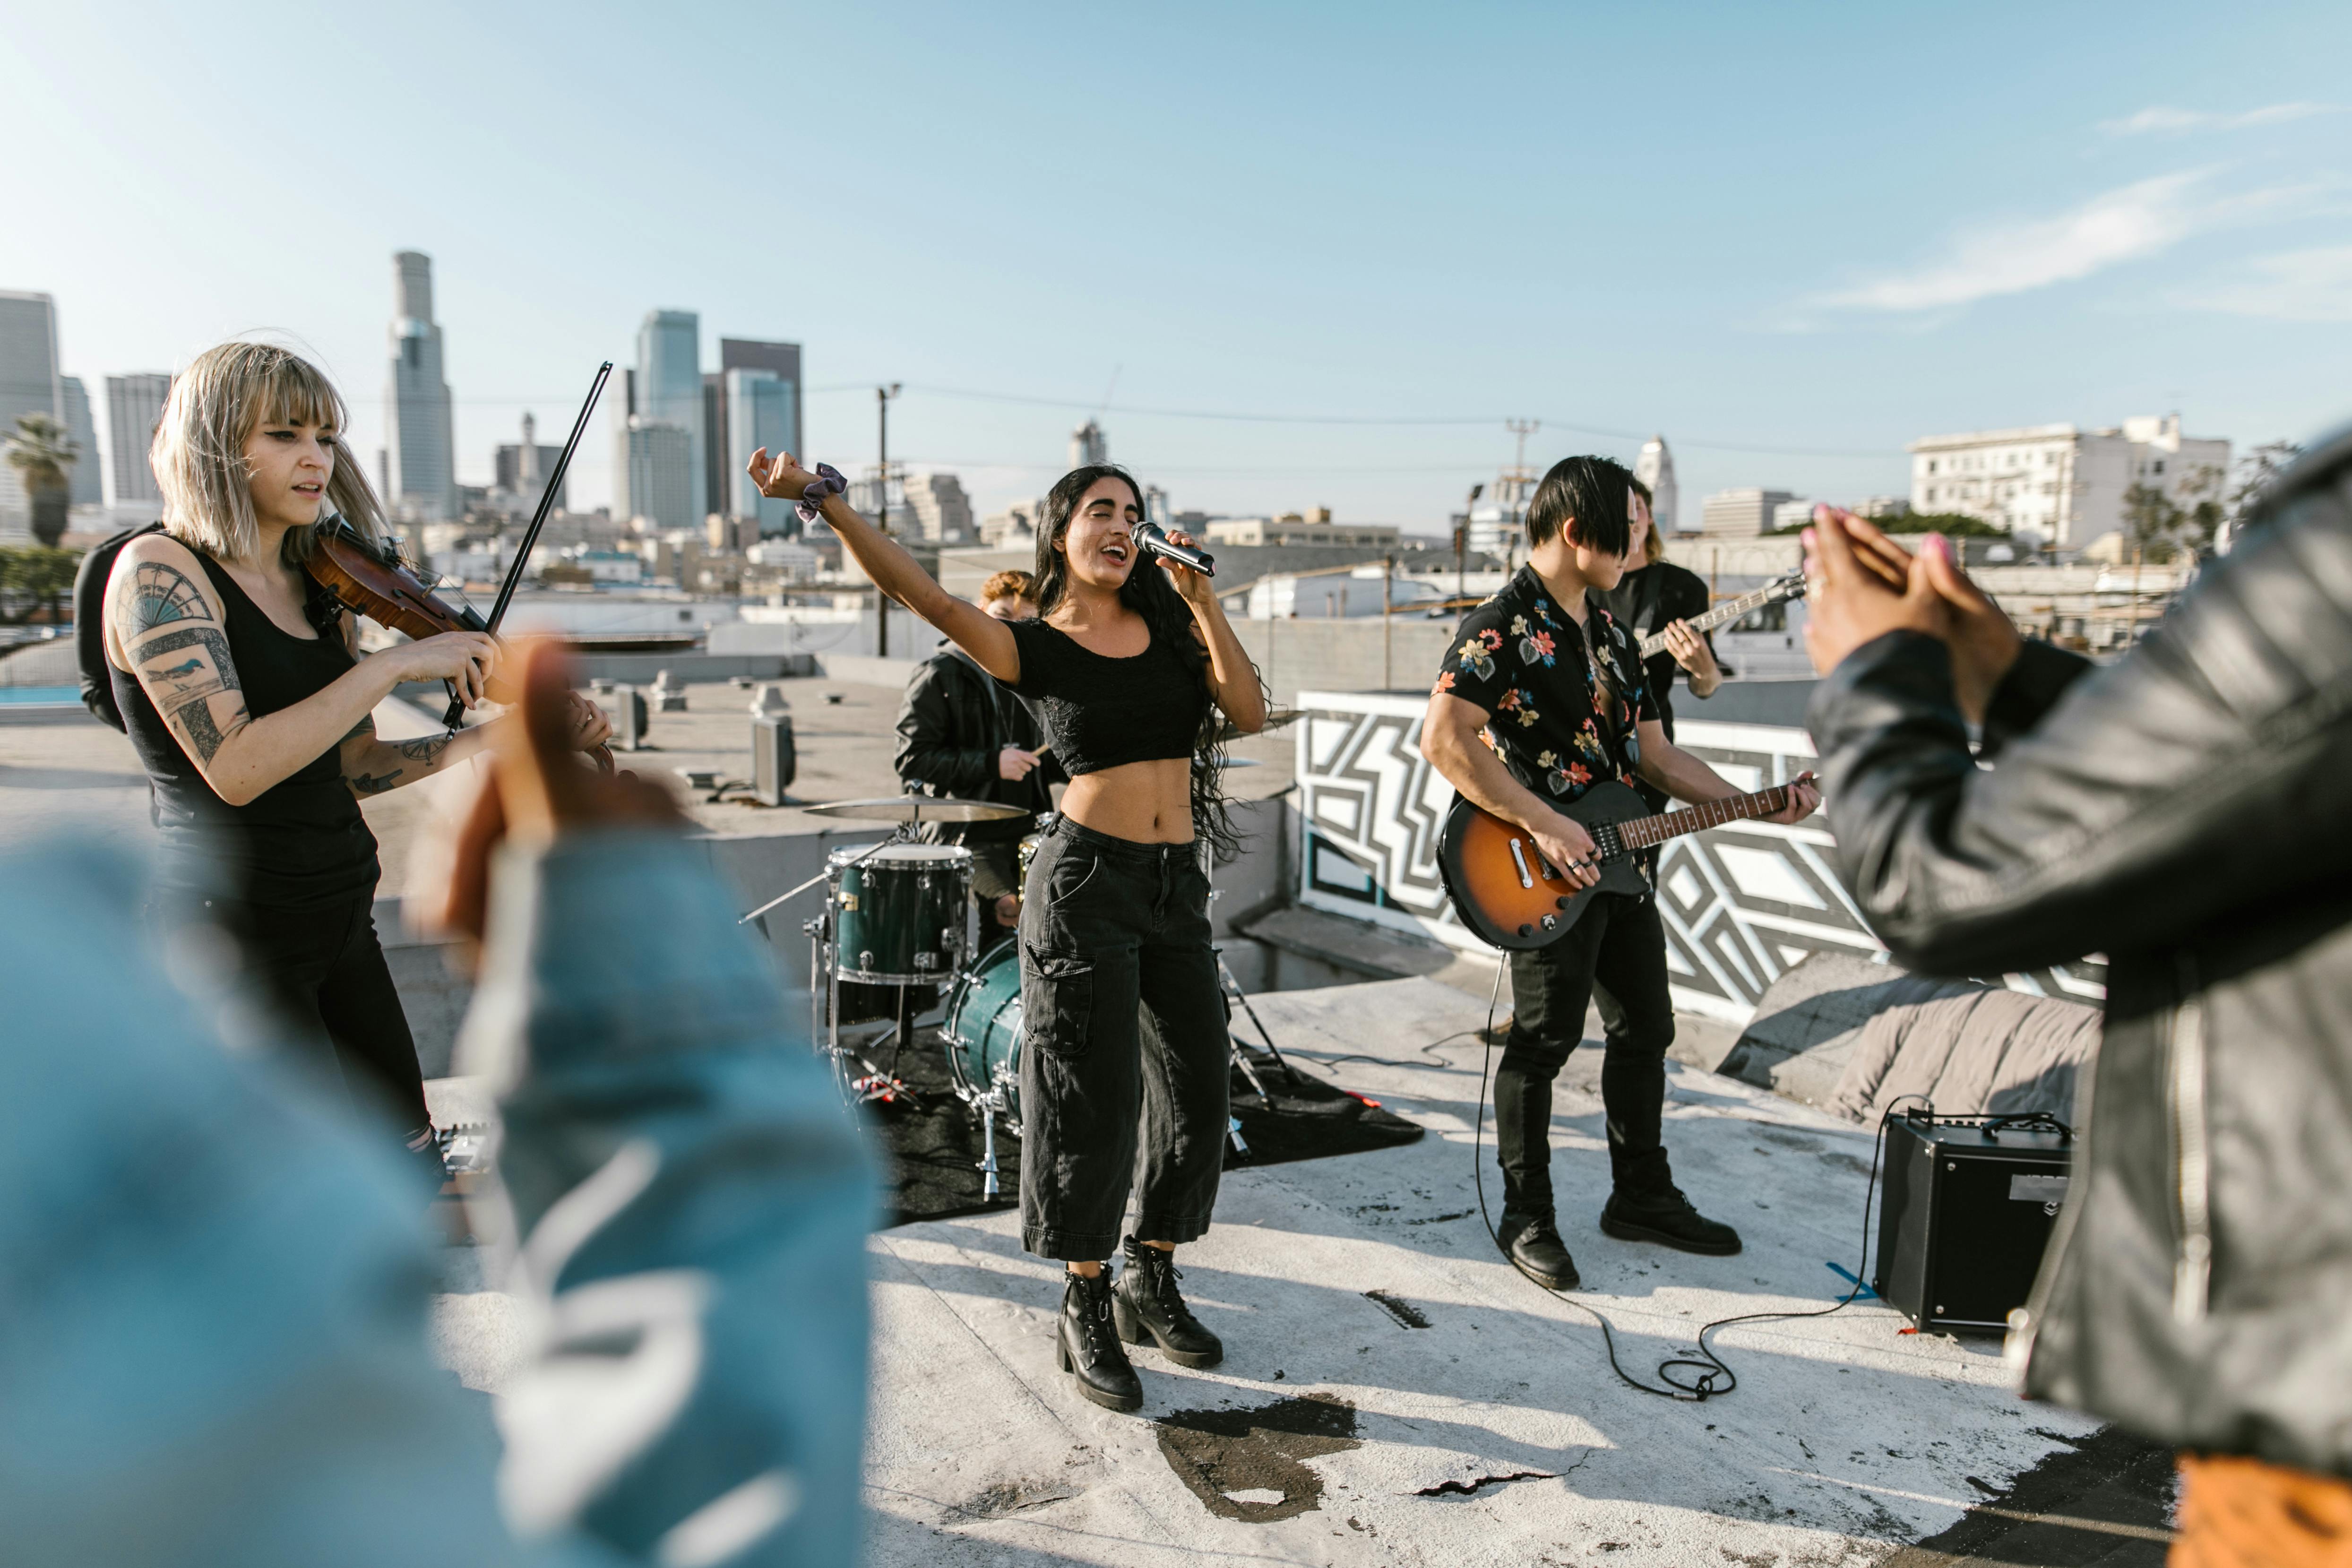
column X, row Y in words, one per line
column 1813, row 231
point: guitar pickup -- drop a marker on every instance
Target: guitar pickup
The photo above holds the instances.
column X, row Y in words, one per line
column 1519, row 858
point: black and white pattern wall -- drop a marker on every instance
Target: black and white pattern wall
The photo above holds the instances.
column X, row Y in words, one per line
column 1742, row 904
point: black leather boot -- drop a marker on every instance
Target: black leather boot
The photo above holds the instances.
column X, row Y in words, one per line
column 1146, row 1301
column 1665, row 1216
column 1532, row 1242
column 1087, row 1344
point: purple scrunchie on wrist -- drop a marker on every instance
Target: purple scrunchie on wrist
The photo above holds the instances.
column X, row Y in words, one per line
column 828, row 482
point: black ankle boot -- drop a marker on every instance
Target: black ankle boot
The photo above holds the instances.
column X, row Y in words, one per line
column 1146, row 1301
column 1533, row 1243
column 1667, row 1217
column 1087, row 1344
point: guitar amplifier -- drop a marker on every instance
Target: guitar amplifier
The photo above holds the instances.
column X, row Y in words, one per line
column 1969, row 1205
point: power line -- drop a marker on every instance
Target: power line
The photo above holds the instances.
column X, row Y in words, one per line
column 1235, row 416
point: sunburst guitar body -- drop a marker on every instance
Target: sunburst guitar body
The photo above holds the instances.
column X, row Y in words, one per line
column 1508, row 893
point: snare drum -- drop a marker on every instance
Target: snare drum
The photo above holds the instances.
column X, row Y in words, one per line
column 899, row 911
column 983, row 1032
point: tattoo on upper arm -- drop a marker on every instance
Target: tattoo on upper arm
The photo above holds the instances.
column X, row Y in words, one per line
column 161, row 594
column 373, row 784
column 194, row 723
column 426, row 749
column 183, row 687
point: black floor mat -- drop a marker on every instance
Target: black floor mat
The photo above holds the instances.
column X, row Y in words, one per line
column 935, row 1142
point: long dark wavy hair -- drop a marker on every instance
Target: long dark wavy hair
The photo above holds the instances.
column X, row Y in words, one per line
column 1148, row 594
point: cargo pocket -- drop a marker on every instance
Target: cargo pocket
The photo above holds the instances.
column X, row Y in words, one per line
column 1057, row 1000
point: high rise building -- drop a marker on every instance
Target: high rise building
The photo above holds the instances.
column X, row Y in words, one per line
column 658, row 460
column 942, row 511
column 762, row 410
column 1655, row 469
column 28, row 384
column 2065, row 484
column 522, row 468
column 1741, row 514
column 780, row 361
column 83, row 479
column 421, row 464
column 1088, row 446
column 670, row 391
column 134, row 407
column 718, row 484
column 620, row 405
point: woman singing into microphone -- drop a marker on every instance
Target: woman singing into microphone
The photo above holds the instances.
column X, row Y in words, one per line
column 1131, row 667
column 246, row 700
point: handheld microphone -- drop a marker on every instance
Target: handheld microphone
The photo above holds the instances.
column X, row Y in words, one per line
column 1152, row 541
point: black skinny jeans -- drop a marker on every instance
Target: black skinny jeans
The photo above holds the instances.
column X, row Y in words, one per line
column 1123, row 1022
column 1615, row 955
column 322, row 974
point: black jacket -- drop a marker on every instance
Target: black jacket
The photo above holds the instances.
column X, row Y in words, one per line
column 954, row 721
column 2188, row 813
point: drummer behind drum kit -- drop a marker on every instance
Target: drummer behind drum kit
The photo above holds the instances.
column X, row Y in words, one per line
column 897, row 927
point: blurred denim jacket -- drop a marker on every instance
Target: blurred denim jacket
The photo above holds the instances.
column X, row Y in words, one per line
column 214, row 1291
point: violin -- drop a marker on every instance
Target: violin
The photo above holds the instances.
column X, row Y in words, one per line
column 375, row 583
column 381, row 586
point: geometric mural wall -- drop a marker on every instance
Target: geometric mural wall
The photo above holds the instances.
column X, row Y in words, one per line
column 1742, row 904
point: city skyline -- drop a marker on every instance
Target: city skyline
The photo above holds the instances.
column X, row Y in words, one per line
column 2014, row 244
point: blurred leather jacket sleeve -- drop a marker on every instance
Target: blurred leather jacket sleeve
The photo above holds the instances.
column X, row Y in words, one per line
column 2184, row 812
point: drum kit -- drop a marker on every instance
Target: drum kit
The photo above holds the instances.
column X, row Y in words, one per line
column 896, row 929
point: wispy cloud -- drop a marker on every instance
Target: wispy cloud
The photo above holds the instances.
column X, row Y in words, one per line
column 2159, row 118
column 2293, row 286
column 2120, row 225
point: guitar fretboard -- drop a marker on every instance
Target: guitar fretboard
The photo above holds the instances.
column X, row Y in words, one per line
column 1730, row 610
column 1644, row 831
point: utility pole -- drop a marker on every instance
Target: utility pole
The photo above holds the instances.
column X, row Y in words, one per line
column 1462, row 544
column 882, row 397
column 1522, row 481
column 1388, row 588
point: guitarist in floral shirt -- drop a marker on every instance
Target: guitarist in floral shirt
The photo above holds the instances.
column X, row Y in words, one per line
column 1539, row 697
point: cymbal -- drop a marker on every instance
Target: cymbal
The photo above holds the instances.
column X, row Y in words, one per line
column 916, row 808
column 1275, row 719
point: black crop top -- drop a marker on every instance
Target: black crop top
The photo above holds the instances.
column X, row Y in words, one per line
column 1101, row 712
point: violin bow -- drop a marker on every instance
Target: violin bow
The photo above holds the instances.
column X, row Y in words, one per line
column 538, row 521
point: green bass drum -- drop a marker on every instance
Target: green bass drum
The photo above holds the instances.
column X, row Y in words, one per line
column 983, row 1034
column 899, row 912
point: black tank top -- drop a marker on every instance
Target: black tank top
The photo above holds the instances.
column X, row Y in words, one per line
column 300, row 844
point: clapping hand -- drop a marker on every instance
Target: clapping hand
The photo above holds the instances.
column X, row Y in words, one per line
column 1863, row 585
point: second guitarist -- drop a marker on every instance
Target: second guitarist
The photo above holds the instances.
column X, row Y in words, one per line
column 1539, row 697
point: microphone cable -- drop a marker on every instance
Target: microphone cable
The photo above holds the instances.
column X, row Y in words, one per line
column 1714, row 1377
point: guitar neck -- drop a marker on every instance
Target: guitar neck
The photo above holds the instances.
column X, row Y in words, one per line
column 1729, row 611
column 1644, row 831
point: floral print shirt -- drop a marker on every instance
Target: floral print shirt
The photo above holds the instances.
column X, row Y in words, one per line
column 1562, row 701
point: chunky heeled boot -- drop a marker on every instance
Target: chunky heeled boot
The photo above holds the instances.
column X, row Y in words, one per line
column 1086, row 1342
column 1146, row 1301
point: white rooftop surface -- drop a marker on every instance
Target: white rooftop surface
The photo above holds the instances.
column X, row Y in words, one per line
column 1497, row 1434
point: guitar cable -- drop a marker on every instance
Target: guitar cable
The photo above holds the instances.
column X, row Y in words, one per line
column 1714, row 1377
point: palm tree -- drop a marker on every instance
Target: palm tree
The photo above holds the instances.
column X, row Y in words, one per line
column 42, row 450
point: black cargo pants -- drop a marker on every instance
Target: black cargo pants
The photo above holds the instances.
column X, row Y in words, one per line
column 1615, row 955
column 1123, row 1032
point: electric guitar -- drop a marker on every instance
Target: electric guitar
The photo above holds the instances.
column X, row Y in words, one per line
column 1793, row 586
column 1510, row 896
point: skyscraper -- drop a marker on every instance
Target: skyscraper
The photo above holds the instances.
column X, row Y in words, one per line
column 658, row 460
column 761, row 412
column 134, row 407
column 942, row 511
column 1655, row 469
column 422, row 464
column 1088, row 446
column 28, row 384
column 669, row 390
column 781, row 360
column 83, row 479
